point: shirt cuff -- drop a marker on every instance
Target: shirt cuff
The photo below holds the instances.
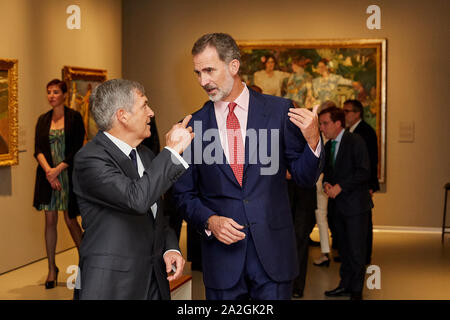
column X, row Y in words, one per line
column 172, row 250
column 180, row 158
column 318, row 149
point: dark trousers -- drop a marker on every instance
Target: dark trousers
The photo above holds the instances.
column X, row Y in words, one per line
column 254, row 283
column 303, row 203
column 369, row 239
column 153, row 290
column 304, row 222
column 331, row 216
column 352, row 235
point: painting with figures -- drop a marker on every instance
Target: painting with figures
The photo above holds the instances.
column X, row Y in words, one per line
column 80, row 84
column 310, row 72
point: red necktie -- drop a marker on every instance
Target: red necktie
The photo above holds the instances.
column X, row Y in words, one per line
column 235, row 144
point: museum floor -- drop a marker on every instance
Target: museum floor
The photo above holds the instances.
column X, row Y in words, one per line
column 413, row 265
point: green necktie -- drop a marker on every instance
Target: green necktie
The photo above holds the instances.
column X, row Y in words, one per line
column 333, row 150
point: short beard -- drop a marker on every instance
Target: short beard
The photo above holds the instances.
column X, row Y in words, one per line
column 225, row 91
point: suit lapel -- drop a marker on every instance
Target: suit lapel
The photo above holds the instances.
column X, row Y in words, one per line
column 145, row 157
column 341, row 150
column 124, row 163
column 212, row 124
column 257, row 119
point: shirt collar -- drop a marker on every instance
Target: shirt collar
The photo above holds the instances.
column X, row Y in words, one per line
column 123, row 146
column 339, row 136
column 242, row 101
column 353, row 127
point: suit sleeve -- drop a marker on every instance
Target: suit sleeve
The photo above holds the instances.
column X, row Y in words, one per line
column 303, row 165
column 98, row 179
column 361, row 166
column 372, row 145
column 186, row 195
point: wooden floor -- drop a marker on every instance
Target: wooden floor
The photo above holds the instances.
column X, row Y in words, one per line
column 412, row 266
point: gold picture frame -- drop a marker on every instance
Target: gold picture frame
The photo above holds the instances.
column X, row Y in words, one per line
column 80, row 83
column 360, row 63
column 9, row 138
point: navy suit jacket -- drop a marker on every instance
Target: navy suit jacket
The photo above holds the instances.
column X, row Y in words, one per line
column 261, row 203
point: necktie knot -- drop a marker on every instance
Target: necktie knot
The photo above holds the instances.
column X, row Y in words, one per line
column 232, row 106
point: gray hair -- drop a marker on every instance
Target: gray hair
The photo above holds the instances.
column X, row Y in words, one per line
column 111, row 96
column 225, row 45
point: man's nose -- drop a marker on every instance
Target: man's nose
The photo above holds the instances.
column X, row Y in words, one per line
column 203, row 79
column 151, row 113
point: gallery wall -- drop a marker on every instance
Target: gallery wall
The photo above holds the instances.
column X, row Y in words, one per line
column 35, row 33
column 158, row 37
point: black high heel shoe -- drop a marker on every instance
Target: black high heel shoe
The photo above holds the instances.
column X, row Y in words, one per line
column 53, row 283
column 323, row 263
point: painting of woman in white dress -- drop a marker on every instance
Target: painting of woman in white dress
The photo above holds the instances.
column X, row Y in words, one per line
column 269, row 79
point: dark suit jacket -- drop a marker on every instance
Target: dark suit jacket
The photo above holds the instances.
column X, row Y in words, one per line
column 74, row 134
column 121, row 244
column 370, row 137
column 262, row 202
column 352, row 172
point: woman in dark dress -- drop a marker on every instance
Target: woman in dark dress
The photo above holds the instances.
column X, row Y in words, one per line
column 59, row 135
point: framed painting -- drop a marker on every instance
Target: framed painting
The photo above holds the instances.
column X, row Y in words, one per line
column 9, row 144
column 310, row 72
column 80, row 84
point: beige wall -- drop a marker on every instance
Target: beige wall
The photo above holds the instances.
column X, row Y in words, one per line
column 158, row 36
column 35, row 33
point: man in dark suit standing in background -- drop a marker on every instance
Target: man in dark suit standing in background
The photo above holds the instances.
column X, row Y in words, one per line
column 127, row 248
column 354, row 122
column 346, row 177
column 241, row 202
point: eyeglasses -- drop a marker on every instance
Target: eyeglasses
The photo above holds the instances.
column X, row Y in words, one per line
column 347, row 111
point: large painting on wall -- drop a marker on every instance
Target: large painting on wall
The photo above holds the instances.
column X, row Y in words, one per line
column 80, row 83
column 9, row 153
column 310, row 72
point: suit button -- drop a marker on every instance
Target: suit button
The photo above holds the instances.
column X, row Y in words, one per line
column 246, row 201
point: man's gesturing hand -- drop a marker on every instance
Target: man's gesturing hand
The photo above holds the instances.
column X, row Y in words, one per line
column 180, row 136
column 225, row 229
column 308, row 123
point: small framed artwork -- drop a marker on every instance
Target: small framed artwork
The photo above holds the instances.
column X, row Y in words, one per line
column 310, row 72
column 80, row 84
column 9, row 139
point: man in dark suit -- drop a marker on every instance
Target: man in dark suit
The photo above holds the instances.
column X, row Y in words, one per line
column 354, row 122
column 127, row 248
column 235, row 191
column 346, row 177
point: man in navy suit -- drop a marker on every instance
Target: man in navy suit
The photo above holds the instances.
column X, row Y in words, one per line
column 235, row 191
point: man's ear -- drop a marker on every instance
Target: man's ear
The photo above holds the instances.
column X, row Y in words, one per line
column 234, row 66
column 121, row 115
